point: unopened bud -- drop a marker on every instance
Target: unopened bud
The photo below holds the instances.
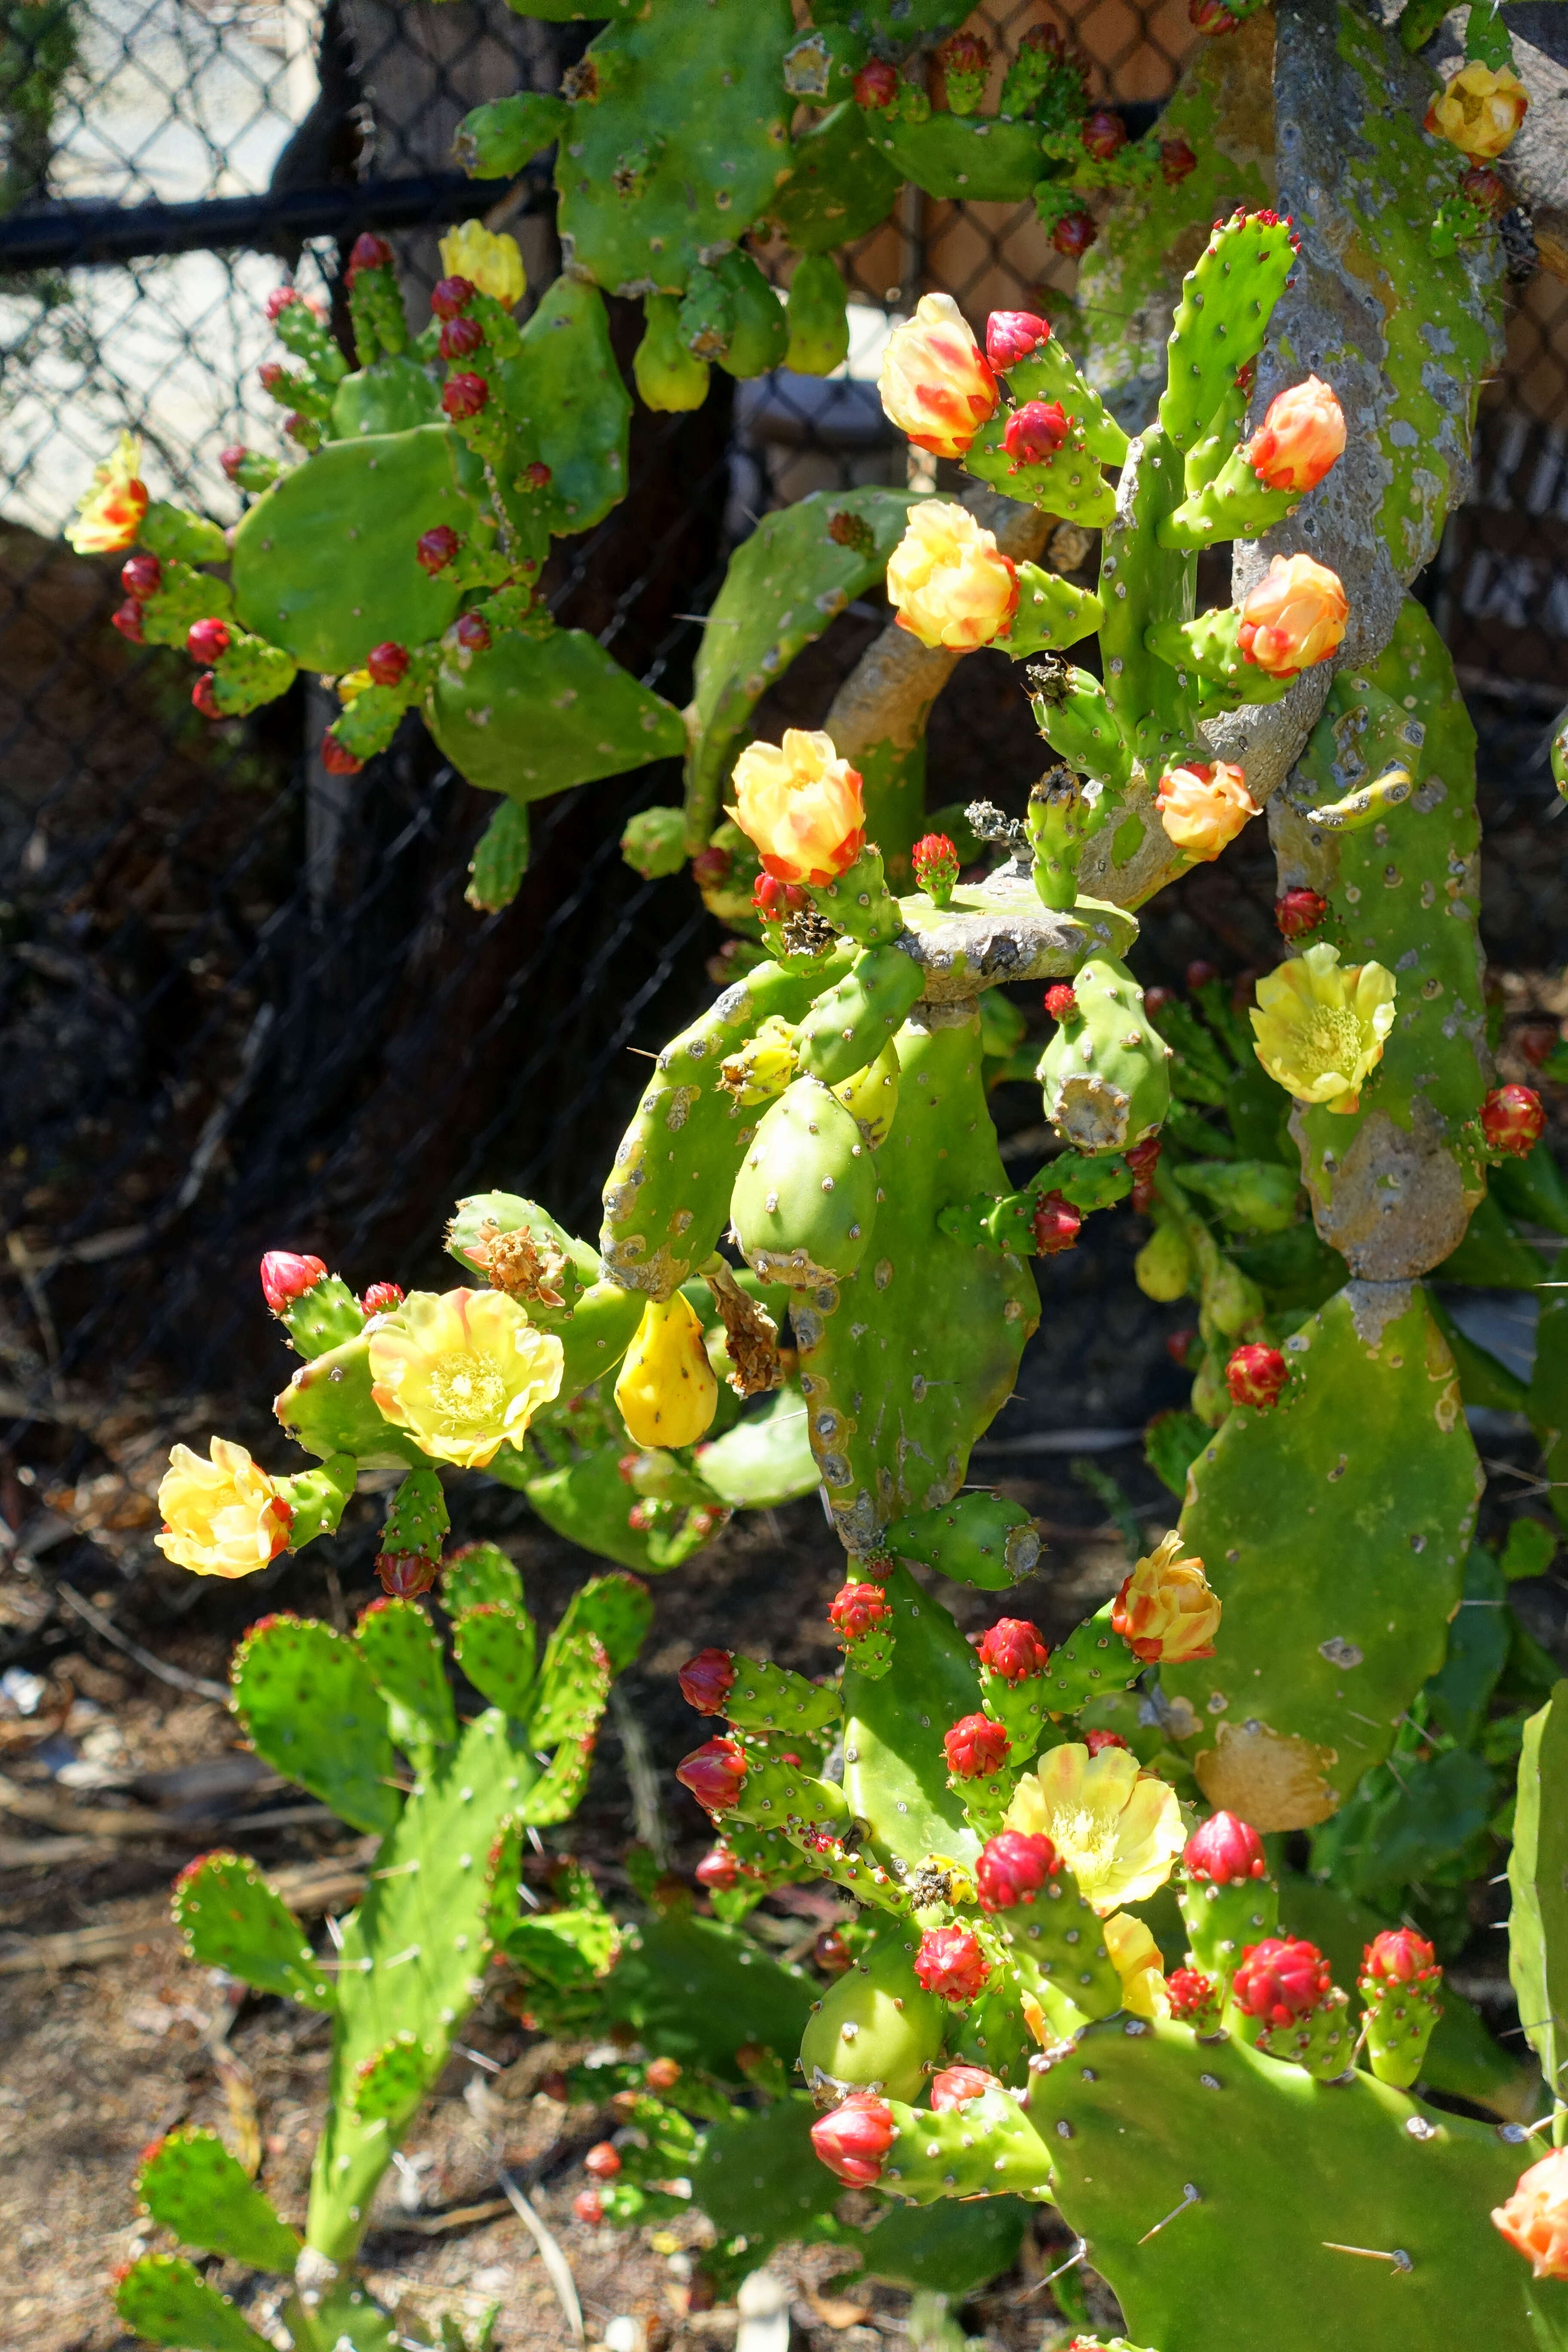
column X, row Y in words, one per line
column 285, row 1277
column 602, row 2162
column 1398, row 1955
column 459, row 337
column 1513, row 1120
column 370, row 252
column 1014, row 1649
column 935, row 862
column 387, row 664
column 1224, row 1849
column 1097, row 1741
column 831, row 1953
column 877, row 84
column 406, row 1574
column 1012, row 335
column 1013, row 1867
column 1256, row 1375
column 707, row 1680
column 975, row 1747
column 951, row 1964
column 141, row 576
column 1299, row 911
column 715, row 1773
column 537, row 475
column 857, row 1609
column 1061, row 1002
column 232, row 458
column 280, row 300
column 663, row 2073
column 710, row 866
column 450, row 295
column 127, row 619
column 1035, row 432
column 588, row 2206
column 718, row 1870
column 472, row 633
column 1211, row 16
column 206, row 642
column 203, row 696
column 1281, row 1978
column 1176, row 160
column 1056, row 1224
column 381, row 1298
column 1103, row 134
column 435, row 549
column 953, row 2086
column 337, row 758
column 1194, row 1999
column 464, row 396
column 1073, row 235
column 853, row 2140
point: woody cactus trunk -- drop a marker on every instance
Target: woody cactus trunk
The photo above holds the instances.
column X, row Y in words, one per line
column 1082, row 1973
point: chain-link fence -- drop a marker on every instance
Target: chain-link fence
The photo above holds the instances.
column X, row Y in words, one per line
column 243, row 1003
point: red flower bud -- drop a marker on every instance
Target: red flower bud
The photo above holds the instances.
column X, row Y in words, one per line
column 436, row 547
column 450, row 295
column 1487, row 189
column 1199, row 973
column 141, row 576
column 472, row 631
column 1012, row 335
column 604, row 2162
column 1012, row 1869
column 285, row 1277
column 1057, row 1224
column 718, row 1870
column 955, row 2085
column 537, row 475
column 203, row 696
column 1179, row 1346
column 459, row 337
column 1282, row 1978
column 1176, row 160
column 774, row 899
column 370, row 252
column 1097, row 1740
column 464, row 396
column 975, row 1747
column 1224, row 1850
column 127, row 619
column 1256, row 1376
column 206, row 642
column 302, row 428
column 853, row 2140
column 1061, row 1001
column 707, row 1680
column 857, row 1609
column 1044, row 37
column 337, row 758
column 588, row 2206
column 1074, row 235
column 1299, row 911
column 1192, row 1996
column 876, row 84
column 1398, row 1955
column 232, row 458
column 715, row 1773
column 950, row 1963
column 1211, row 16
column 1014, row 1649
column 405, row 1575
column 1144, row 1158
column 280, row 300
column 710, row 867
column 831, row 1953
column 1513, row 1119
column 1102, row 135
column 1536, row 1041
column 935, row 862
column 269, row 373
column 663, row 2073
column 1035, row 432
column 387, row 664
column 381, row 1298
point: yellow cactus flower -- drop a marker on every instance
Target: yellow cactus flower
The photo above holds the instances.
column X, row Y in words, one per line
column 1166, row 1609
column 224, row 1516
column 1319, row 1029
column 1135, row 1956
column 492, row 263
column 463, row 1371
column 667, row 1392
column 801, row 805
column 936, row 383
column 949, row 581
column 1478, row 110
column 110, row 510
column 1117, row 1828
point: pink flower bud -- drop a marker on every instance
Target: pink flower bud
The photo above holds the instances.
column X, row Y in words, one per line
column 537, row 475
column 203, row 696
column 975, row 1747
column 1295, row 616
column 718, row 1870
column 951, row 1964
column 464, row 396
column 1035, row 432
column 232, row 458
column 588, row 2206
column 857, row 1609
column 370, row 252
column 206, row 642
column 1061, row 1002
column 1513, row 1120
column 715, row 1773
column 853, row 2140
column 1056, row 1224
column 1097, row 1741
column 1299, row 911
column 1176, row 160
column 1074, row 235
column 877, row 83
column 285, row 1277
column 1014, row 1649
column 1256, row 1375
column 953, row 2086
column 337, row 758
column 280, row 299
column 436, row 547
column 450, row 295
column 127, row 619
column 1281, row 1978
column 141, row 576
column 1103, row 134
column 269, row 375
column 1224, row 1850
column 459, row 337
column 405, row 1575
column 602, row 2162
column 472, row 631
column 1013, row 1867
column 387, row 664
column 1300, row 438
column 707, row 1680
column 381, row 1298
column 1398, row 1955
column 1012, row 335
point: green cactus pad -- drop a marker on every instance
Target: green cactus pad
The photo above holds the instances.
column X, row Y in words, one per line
column 765, row 1697
column 564, row 390
column 192, row 2185
column 959, row 159
column 699, row 1991
column 562, row 1948
column 980, row 1537
column 895, row 1771
column 500, row 860
column 329, row 1409
column 388, row 2086
column 495, row 1648
column 308, row 1705
column 175, row 537
column 416, row 1519
column 839, row 186
column 952, row 2247
column 782, row 588
column 1276, row 1510
column 164, row 2301
column 394, row 394
column 1227, row 301
column 587, row 1501
column 616, row 1610
column 480, row 1572
column 1068, row 483
column 531, row 716
column 403, row 1650
column 1538, row 1882
column 805, row 1202
column 495, row 141
column 323, row 564
column 231, row 1919
column 758, row 2175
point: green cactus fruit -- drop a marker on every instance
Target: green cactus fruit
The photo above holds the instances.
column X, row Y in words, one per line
column 649, row 185
column 403, row 1652
column 494, row 142
column 317, row 1498
column 985, row 2147
column 1253, row 1196
column 1309, row 1680
column 549, row 1268
column 668, row 1198
column 1163, row 1268
column 162, row 2299
column 574, row 1674
column 1221, row 1921
column 758, row 331
column 563, row 389
column 854, row 1021
column 1398, row 2019
column 981, row 1537
column 500, row 860
column 1051, row 612
column 875, row 2029
column 1077, row 718
column 190, row 2184
column 840, row 186
column 766, row 1458
column 175, row 537
column 308, row 1705
column 1322, row 2042
column 818, row 317
column 418, row 1521
column 1228, row 299
column 669, row 378
column 231, row 1919
column 495, row 1648
column 531, row 716
column 480, row 1573
column 871, row 1096
column 654, row 842
column 323, row 564
column 1104, row 1073
column 804, row 1201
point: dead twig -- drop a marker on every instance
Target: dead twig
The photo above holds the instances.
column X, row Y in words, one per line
column 175, row 1676
column 312, row 1888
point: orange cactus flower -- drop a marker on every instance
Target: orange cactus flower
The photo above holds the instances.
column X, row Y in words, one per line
column 936, row 383
column 1295, row 616
column 1300, row 438
column 800, row 803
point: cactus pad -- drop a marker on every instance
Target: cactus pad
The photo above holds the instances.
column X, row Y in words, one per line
column 480, row 1572
column 403, row 1652
column 308, row 1704
column 192, row 2185
column 495, row 1647
column 231, row 1919
column 529, row 716
column 167, row 2302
